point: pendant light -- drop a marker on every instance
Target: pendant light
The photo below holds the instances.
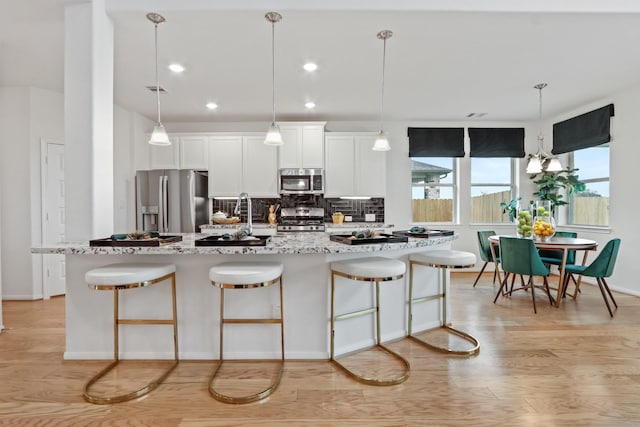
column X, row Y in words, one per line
column 382, row 143
column 273, row 134
column 159, row 135
column 542, row 161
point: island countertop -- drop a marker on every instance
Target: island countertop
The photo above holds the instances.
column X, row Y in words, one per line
column 285, row 243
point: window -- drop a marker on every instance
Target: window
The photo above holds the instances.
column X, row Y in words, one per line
column 491, row 183
column 433, row 188
column 591, row 207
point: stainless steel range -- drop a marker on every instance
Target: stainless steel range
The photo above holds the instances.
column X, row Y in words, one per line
column 301, row 218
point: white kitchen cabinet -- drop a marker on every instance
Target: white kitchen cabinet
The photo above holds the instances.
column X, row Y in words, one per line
column 352, row 168
column 303, row 145
column 193, row 152
column 260, row 167
column 225, row 166
column 164, row 156
column 242, row 164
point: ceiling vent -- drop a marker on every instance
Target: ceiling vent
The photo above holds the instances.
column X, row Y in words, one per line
column 153, row 89
column 476, row 115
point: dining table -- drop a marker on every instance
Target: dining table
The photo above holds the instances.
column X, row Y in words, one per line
column 564, row 244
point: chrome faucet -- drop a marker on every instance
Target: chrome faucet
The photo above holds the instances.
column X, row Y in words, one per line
column 236, row 211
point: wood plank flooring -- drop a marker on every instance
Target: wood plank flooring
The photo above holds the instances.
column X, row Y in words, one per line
column 566, row 366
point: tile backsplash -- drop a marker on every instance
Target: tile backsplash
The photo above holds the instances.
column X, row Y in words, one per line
column 355, row 208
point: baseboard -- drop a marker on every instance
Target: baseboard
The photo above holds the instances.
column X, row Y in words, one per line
column 71, row 355
column 21, row 297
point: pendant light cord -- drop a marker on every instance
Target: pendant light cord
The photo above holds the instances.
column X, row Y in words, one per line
column 384, row 53
column 273, row 71
column 157, row 73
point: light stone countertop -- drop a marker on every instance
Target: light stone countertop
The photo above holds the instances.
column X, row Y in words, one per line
column 281, row 243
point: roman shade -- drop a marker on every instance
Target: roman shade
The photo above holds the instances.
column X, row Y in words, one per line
column 436, row 142
column 497, row 142
column 584, row 131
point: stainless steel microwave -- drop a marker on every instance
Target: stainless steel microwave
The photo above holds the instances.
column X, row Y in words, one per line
column 301, row 181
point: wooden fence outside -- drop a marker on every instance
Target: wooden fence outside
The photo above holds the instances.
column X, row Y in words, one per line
column 486, row 209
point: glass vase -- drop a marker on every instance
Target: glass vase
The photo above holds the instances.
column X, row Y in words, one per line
column 544, row 226
column 524, row 223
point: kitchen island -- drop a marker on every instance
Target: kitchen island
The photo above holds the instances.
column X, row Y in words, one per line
column 306, row 287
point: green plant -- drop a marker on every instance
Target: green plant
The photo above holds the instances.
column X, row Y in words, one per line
column 550, row 183
column 510, row 208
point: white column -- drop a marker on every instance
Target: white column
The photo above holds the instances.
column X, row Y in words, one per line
column 88, row 108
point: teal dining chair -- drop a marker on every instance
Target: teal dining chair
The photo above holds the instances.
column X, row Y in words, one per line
column 520, row 257
column 600, row 268
column 554, row 257
column 484, row 248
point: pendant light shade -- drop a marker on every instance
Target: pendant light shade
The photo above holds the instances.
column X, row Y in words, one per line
column 542, row 161
column 159, row 135
column 382, row 143
column 274, row 137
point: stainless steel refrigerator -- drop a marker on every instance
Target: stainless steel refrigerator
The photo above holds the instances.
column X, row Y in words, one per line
column 171, row 201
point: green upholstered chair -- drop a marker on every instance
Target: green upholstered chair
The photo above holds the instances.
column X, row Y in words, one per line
column 600, row 268
column 520, row 257
column 551, row 257
column 484, row 248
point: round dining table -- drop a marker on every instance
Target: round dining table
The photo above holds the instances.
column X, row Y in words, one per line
column 564, row 244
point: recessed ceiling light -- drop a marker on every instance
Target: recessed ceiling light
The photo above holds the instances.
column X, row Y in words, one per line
column 310, row 66
column 310, row 105
column 176, row 68
column 212, row 105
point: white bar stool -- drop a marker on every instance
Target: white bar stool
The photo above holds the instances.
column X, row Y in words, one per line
column 373, row 269
column 442, row 259
column 246, row 275
column 118, row 277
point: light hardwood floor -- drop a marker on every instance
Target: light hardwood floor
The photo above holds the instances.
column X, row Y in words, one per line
column 566, row 366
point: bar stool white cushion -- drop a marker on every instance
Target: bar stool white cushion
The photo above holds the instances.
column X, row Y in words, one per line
column 370, row 267
column 240, row 273
column 126, row 273
column 445, row 258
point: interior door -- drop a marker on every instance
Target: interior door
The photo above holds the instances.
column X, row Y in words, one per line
column 54, row 280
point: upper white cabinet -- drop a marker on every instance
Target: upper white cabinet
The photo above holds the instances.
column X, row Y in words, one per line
column 225, row 166
column 242, row 164
column 185, row 152
column 352, row 168
column 303, row 145
column 164, row 156
column 193, row 152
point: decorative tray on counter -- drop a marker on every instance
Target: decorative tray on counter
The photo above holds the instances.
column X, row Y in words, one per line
column 232, row 220
column 424, row 234
column 154, row 239
column 219, row 241
column 348, row 239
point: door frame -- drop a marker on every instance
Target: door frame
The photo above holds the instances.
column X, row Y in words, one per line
column 44, row 142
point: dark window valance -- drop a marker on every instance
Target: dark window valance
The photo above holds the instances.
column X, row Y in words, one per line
column 497, row 142
column 436, row 142
column 584, row 131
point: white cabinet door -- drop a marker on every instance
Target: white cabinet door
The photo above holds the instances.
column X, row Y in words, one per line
column 340, row 163
column 371, row 171
column 303, row 146
column 164, row 156
column 288, row 153
column 312, row 147
column 225, row 166
column 194, row 152
column 260, row 167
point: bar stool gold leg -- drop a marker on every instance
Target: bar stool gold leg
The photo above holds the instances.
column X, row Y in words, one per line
column 443, row 296
column 376, row 310
column 103, row 400
column 275, row 382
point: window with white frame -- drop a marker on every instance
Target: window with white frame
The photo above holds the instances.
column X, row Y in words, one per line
column 433, row 189
column 492, row 182
column 591, row 207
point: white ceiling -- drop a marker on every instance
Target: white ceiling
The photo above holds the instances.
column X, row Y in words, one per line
column 446, row 59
